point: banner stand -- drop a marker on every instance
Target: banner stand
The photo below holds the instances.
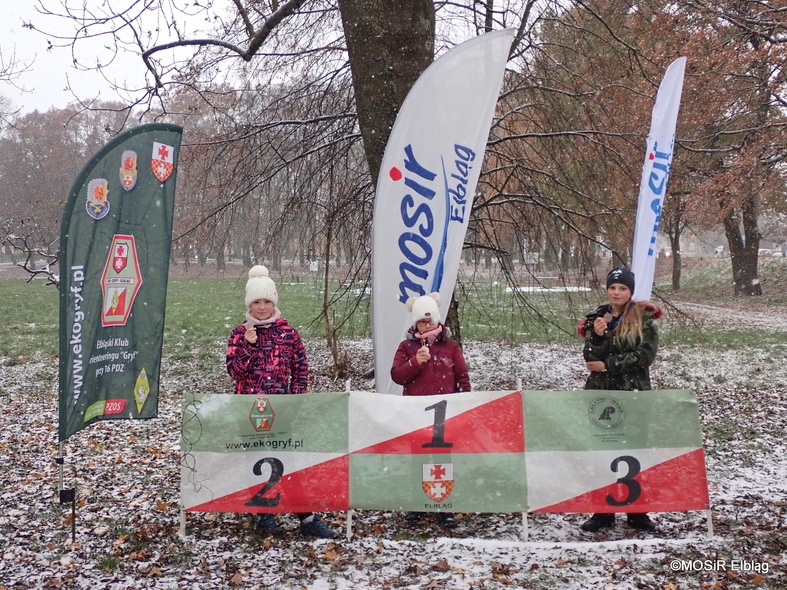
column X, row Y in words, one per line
column 350, row 513
column 524, row 527
column 709, row 516
column 182, row 527
column 349, row 529
column 66, row 496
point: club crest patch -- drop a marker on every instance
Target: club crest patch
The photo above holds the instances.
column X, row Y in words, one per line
column 98, row 198
column 141, row 389
column 262, row 415
column 120, row 281
column 128, row 170
column 438, row 480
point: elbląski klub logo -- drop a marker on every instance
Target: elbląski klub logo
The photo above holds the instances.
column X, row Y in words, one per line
column 120, row 281
column 262, row 415
column 438, row 480
column 163, row 160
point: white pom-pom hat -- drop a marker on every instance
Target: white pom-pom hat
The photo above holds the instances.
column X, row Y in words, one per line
column 426, row 307
column 260, row 286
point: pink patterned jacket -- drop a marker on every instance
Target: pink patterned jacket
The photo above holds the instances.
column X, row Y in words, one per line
column 276, row 364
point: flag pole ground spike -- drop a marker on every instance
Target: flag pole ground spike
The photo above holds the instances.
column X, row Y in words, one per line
column 66, row 495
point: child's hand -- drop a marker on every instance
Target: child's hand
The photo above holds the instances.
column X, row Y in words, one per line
column 422, row 355
column 596, row 366
column 600, row 326
column 251, row 334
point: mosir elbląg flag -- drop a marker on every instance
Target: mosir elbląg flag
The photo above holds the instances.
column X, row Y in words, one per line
column 114, row 262
column 655, row 174
column 426, row 186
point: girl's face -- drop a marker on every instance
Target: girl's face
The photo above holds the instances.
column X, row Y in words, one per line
column 262, row 309
column 424, row 325
column 618, row 295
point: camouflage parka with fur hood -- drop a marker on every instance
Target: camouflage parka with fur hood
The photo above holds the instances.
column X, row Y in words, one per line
column 628, row 365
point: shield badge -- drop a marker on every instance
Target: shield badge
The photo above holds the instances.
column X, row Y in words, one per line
column 120, row 281
column 438, row 480
column 162, row 161
column 120, row 256
column 128, row 170
column 97, row 198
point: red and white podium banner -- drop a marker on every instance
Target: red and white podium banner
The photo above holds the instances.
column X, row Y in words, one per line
column 535, row 451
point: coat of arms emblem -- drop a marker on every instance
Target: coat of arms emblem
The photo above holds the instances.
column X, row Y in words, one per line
column 120, row 281
column 128, row 170
column 438, row 480
column 163, row 160
column 97, row 198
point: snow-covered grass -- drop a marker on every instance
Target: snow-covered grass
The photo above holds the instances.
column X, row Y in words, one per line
column 127, row 478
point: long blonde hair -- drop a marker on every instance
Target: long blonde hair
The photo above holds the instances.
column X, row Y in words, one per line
column 629, row 328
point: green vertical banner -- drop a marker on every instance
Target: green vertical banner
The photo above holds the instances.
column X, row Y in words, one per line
column 114, row 262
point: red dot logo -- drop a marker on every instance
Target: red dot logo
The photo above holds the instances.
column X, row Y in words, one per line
column 395, row 173
column 651, row 157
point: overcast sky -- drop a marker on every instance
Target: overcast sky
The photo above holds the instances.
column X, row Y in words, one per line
column 50, row 71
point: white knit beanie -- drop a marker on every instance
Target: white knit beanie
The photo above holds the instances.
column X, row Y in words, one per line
column 260, row 286
column 426, row 307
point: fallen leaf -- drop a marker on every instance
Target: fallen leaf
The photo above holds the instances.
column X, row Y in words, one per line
column 236, row 580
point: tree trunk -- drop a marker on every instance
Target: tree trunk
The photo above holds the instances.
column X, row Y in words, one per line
column 674, row 243
column 744, row 249
column 390, row 43
column 452, row 320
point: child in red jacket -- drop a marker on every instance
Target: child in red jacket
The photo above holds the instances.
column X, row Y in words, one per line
column 429, row 362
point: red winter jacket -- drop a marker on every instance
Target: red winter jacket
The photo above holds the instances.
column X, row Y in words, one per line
column 275, row 364
column 444, row 372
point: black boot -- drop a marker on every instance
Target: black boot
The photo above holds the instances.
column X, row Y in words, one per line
column 597, row 522
column 316, row 528
column 640, row 521
column 447, row 519
column 266, row 525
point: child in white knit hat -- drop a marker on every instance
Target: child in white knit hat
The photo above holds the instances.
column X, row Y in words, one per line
column 429, row 362
column 265, row 356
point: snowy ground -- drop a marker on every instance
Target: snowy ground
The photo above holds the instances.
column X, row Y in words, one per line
column 127, row 479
